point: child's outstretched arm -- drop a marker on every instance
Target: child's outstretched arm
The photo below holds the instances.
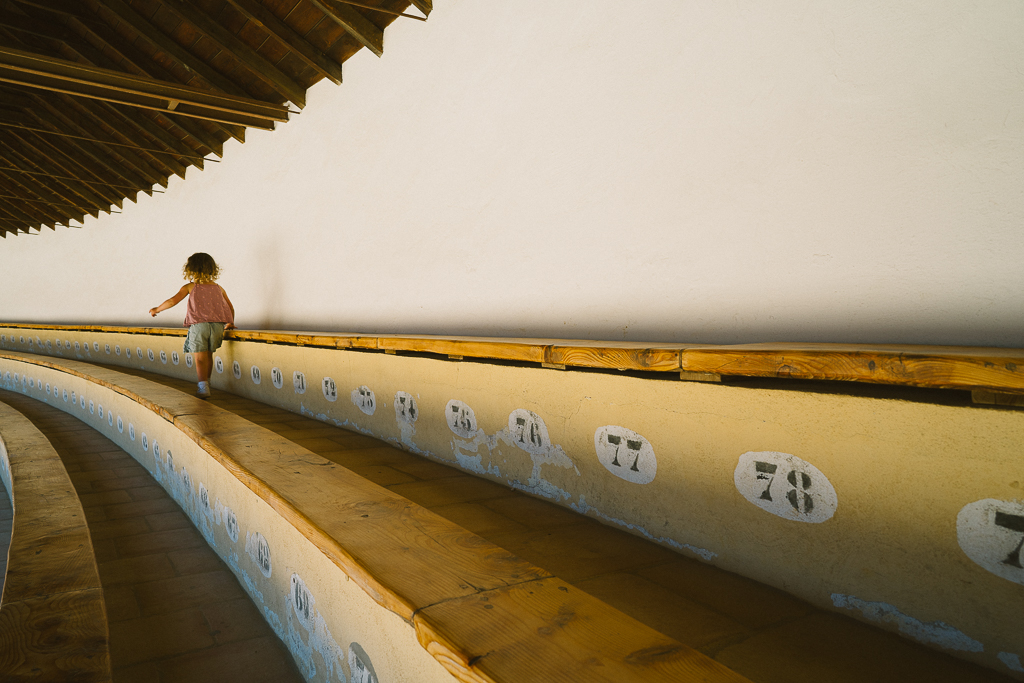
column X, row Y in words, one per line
column 173, row 301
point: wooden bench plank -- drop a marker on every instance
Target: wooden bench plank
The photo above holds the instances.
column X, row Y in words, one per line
column 53, row 624
column 519, row 626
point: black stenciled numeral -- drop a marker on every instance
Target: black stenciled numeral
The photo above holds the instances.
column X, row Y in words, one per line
column 766, row 472
column 635, row 447
column 799, row 480
column 615, row 441
column 1013, row 523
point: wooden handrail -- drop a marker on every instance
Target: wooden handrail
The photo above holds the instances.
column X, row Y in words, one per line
column 945, row 367
column 53, row 622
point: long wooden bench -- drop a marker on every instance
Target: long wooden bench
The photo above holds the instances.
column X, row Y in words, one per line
column 478, row 611
column 984, row 369
column 53, row 624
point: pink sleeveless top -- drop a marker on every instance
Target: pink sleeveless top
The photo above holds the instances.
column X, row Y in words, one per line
column 207, row 304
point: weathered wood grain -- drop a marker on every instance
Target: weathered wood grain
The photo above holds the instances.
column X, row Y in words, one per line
column 502, row 349
column 943, row 367
column 53, row 624
column 547, row 630
column 614, row 355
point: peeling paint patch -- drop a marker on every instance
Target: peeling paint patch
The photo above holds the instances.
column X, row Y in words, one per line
column 257, row 548
column 583, row 508
column 364, row 399
column 406, row 414
column 1011, row 661
column 302, row 610
column 360, row 666
column 937, row 632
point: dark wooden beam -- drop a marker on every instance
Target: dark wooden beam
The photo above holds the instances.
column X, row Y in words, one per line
column 13, row 185
column 424, row 6
column 290, row 38
column 47, row 73
column 358, row 26
column 46, row 187
column 50, row 30
column 44, row 170
column 252, row 60
column 121, row 125
column 145, row 29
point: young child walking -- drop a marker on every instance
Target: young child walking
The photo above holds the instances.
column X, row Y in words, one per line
column 209, row 313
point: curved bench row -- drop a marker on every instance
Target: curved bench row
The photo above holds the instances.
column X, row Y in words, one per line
column 983, row 369
column 893, row 507
column 53, row 624
column 351, row 576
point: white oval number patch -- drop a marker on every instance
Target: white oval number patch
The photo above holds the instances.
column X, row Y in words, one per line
column 785, row 486
column 460, row 418
column 528, row 431
column 991, row 532
column 405, row 407
column 364, row 399
column 626, row 454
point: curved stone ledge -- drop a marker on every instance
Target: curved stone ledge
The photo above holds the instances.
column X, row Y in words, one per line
column 837, row 498
column 53, row 623
column 343, row 569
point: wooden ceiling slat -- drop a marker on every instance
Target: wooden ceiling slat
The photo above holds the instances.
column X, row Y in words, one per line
column 158, row 39
column 51, row 30
column 143, row 65
column 82, row 199
column 16, row 213
column 102, row 99
column 251, row 59
column 23, row 210
column 67, row 164
column 358, row 26
column 83, row 187
column 124, row 127
column 84, row 156
column 287, row 36
column 37, row 189
column 37, row 71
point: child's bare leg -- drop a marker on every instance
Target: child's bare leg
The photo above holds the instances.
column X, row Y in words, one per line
column 204, row 362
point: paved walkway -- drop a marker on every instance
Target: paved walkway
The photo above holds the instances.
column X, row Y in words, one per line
column 6, row 519
column 176, row 612
column 762, row 633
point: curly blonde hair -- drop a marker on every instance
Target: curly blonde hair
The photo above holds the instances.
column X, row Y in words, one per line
column 201, row 268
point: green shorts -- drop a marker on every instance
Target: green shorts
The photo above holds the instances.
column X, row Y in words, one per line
column 204, row 337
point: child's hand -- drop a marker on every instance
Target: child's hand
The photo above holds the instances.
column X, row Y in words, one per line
column 153, row 311
column 230, row 326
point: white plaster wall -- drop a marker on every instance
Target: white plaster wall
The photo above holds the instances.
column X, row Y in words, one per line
column 661, row 170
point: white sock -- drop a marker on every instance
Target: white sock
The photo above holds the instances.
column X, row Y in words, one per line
column 203, row 386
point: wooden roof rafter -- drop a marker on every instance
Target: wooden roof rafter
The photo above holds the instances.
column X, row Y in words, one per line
column 102, row 99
